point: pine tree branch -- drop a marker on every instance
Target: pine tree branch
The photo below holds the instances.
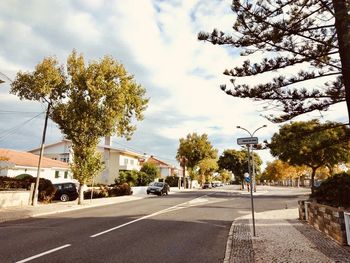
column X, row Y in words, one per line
column 286, row 32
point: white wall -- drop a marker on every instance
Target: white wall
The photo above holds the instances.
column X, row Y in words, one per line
column 14, row 198
column 46, row 173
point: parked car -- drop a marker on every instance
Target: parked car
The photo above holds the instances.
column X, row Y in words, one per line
column 158, row 188
column 206, row 185
column 66, row 192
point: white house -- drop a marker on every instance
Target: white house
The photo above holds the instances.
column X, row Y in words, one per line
column 115, row 159
column 15, row 163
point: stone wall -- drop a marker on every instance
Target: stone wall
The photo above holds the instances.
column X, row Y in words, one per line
column 327, row 219
column 14, row 198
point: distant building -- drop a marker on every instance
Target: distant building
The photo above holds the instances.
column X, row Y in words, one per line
column 165, row 169
column 115, row 159
column 16, row 163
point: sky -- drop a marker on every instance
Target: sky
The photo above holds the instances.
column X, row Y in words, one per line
column 156, row 41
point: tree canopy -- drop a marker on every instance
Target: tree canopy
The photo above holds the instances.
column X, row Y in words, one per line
column 88, row 101
column 309, row 35
column 206, row 168
column 195, row 148
column 278, row 170
column 236, row 161
column 312, row 144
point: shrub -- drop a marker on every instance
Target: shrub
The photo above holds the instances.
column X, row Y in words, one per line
column 334, row 191
column 172, row 181
column 129, row 177
column 46, row 189
column 97, row 193
column 151, row 170
column 119, row 190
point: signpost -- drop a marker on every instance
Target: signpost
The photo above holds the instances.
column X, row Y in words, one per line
column 248, row 141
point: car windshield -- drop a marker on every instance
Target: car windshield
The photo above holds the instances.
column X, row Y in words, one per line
column 158, row 184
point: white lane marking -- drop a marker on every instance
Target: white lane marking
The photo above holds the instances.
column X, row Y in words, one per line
column 194, row 202
column 43, row 254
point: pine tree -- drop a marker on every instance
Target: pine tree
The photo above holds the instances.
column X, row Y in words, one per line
column 311, row 34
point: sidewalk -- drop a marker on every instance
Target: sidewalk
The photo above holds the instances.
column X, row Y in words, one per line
column 281, row 237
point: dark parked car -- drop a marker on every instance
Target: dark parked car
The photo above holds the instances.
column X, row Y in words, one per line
column 207, row 185
column 66, row 192
column 158, row 188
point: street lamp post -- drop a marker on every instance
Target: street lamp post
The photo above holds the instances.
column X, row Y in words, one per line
column 251, row 174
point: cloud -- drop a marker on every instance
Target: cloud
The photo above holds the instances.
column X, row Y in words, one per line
column 157, row 42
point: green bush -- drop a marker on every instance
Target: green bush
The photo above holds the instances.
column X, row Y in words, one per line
column 335, row 191
column 46, row 189
column 129, row 177
column 119, row 190
column 172, row 181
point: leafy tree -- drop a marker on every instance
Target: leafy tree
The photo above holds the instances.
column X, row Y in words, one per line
column 225, row 175
column 278, row 170
column 206, row 168
column 47, row 84
column 311, row 144
column 151, row 170
column 88, row 102
column 237, row 162
column 311, row 35
column 195, row 148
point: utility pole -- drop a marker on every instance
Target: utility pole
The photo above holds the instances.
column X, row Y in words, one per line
column 36, row 188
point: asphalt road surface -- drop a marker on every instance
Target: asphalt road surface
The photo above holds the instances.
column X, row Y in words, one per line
column 181, row 227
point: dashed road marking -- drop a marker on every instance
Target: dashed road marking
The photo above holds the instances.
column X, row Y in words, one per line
column 43, row 254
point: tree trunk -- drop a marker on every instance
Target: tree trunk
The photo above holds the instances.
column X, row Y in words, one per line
column 342, row 26
column 81, row 195
column 313, row 179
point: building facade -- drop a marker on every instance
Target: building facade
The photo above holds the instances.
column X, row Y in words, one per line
column 115, row 159
column 15, row 163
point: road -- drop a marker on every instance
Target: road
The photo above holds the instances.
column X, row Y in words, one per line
column 181, row 227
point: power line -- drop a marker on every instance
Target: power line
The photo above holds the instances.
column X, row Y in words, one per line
column 13, row 130
column 16, row 112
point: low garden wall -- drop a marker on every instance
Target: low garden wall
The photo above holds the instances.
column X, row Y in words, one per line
column 14, row 198
column 327, row 219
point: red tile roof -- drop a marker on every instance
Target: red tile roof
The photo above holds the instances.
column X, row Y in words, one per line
column 30, row 160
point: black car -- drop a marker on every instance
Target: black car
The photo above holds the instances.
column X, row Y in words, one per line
column 158, row 188
column 207, row 185
column 66, row 192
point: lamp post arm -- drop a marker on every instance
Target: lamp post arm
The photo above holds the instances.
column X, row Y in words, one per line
column 258, row 129
column 239, row 127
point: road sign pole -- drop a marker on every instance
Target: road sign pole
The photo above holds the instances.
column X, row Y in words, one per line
column 251, row 189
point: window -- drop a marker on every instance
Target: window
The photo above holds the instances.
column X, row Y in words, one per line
column 65, row 159
column 132, row 162
column 126, row 161
column 66, row 174
column 57, row 174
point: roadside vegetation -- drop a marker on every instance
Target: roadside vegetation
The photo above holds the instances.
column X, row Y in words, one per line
column 87, row 101
column 46, row 189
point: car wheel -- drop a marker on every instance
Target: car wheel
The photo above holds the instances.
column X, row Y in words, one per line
column 147, row 192
column 64, row 198
column 160, row 193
